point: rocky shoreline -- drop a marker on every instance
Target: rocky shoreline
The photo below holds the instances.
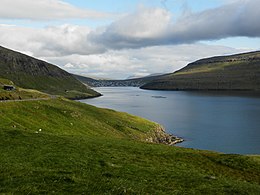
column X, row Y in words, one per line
column 160, row 136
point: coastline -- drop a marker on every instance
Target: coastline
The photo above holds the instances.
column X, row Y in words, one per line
column 159, row 134
column 86, row 97
column 161, row 137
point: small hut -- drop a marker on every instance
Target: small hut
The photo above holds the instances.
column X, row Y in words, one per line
column 9, row 87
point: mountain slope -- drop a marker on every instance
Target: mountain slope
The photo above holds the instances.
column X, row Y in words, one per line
column 31, row 73
column 235, row 72
column 74, row 148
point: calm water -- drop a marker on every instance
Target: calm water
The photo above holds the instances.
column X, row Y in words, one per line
column 227, row 123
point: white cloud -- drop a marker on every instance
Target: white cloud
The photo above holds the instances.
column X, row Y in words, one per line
column 146, row 41
column 68, row 47
column 155, row 26
column 44, row 10
column 144, row 28
column 144, row 23
column 49, row 41
column 144, row 61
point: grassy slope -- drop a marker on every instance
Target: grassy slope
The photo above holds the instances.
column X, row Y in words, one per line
column 19, row 93
column 31, row 73
column 5, row 82
column 236, row 72
column 22, row 94
column 86, row 149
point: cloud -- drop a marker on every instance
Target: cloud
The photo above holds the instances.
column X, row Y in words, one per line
column 69, row 47
column 237, row 19
column 44, row 10
column 144, row 61
column 155, row 26
column 147, row 41
column 145, row 27
column 50, row 41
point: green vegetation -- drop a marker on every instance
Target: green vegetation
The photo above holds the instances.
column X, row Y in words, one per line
column 236, row 72
column 65, row 147
column 19, row 93
column 22, row 94
column 204, row 68
column 5, row 82
column 30, row 73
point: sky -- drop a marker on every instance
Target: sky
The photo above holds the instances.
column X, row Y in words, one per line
column 120, row 39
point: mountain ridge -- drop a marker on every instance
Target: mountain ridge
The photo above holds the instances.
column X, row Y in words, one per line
column 31, row 73
column 232, row 72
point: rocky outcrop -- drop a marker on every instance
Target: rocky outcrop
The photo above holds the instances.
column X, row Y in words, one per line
column 160, row 136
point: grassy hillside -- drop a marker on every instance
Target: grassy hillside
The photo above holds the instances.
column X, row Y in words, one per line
column 65, row 147
column 236, row 72
column 19, row 93
column 30, row 73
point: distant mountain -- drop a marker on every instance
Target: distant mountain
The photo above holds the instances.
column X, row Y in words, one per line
column 133, row 77
column 138, row 76
column 234, row 72
column 137, row 82
column 31, row 73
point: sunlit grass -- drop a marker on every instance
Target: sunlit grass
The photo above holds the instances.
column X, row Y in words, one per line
column 65, row 147
column 208, row 68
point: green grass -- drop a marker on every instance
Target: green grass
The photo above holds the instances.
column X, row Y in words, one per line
column 19, row 93
column 68, row 86
column 232, row 62
column 22, row 94
column 84, row 149
column 208, row 68
column 5, row 82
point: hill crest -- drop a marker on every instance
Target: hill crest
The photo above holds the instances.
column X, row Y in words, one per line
column 31, row 73
column 233, row 72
